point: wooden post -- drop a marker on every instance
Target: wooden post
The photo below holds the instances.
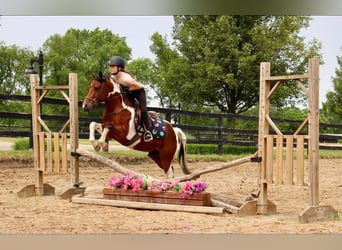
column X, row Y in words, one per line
column 220, row 136
column 74, row 133
column 264, row 103
column 36, row 128
column 313, row 131
column 314, row 212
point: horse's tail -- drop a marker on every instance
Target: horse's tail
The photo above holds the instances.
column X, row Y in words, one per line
column 181, row 145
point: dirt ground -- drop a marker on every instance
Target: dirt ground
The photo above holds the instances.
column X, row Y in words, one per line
column 50, row 214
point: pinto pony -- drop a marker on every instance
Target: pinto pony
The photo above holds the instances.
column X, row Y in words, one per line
column 121, row 122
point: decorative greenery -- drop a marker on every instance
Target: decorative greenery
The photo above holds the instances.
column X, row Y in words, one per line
column 205, row 149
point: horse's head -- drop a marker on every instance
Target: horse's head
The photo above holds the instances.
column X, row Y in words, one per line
column 98, row 90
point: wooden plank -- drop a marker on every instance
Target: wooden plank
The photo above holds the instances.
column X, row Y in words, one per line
column 49, row 156
column 200, row 199
column 279, row 158
column 53, row 87
column 146, row 205
column 300, row 160
column 286, row 77
column 273, row 125
column 231, row 199
column 226, row 206
column 300, row 128
column 64, row 153
column 275, row 87
column 56, row 158
column 41, row 151
column 269, row 158
column 289, row 160
column 301, row 85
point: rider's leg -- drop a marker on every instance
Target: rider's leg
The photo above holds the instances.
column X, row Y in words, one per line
column 141, row 97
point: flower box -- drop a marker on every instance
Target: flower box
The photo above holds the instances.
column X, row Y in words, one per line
column 163, row 197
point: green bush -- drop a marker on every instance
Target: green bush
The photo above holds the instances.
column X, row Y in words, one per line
column 22, row 144
column 204, row 149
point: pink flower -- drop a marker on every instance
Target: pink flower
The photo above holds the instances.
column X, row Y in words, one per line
column 164, row 186
column 129, row 181
column 187, row 188
column 136, row 184
column 115, row 182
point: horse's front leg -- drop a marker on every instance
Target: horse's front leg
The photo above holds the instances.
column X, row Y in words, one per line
column 94, row 126
column 103, row 140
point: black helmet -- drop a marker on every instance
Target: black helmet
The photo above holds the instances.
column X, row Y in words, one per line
column 117, row 61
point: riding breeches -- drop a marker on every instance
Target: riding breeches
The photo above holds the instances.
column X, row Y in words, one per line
column 140, row 95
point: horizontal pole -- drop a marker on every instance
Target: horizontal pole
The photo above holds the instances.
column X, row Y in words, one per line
column 147, row 205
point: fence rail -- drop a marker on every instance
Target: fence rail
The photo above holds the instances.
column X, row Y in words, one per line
column 217, row 133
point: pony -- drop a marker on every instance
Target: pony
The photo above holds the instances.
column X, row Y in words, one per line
column 121, row 122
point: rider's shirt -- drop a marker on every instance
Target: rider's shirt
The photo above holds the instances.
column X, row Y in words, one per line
column 127, row 80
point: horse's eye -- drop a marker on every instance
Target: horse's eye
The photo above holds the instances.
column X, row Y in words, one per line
column 97, row 87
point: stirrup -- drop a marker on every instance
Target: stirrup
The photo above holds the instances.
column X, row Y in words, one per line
column 148, row 136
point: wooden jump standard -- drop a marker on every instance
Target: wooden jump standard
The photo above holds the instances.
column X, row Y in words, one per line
column 271, row 149
column 50, row 147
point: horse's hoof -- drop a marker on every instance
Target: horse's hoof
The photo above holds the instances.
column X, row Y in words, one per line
column 105, row 147
column 96, row 146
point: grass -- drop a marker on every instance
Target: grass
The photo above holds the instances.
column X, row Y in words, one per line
column 326, row 154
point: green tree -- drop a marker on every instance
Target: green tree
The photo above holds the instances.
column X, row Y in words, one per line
column 214, row 61
column 144, row 70
column 331, row 108
column 13, row 62
column 83, row 52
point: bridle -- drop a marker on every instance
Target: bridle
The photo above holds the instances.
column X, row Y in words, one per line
column 95, row 100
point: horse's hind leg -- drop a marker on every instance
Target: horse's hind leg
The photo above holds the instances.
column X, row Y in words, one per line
column 164, row 162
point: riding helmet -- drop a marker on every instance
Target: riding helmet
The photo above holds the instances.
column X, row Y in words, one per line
column 117, row 60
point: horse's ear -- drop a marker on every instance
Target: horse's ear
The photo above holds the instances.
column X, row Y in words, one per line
column 100, row 74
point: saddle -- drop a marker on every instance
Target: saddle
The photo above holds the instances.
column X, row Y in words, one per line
column 157, row 127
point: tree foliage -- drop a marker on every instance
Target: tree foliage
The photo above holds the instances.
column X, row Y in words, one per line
column 214, row 61
column 332, row 109
column 83, row 52
column 13, row 62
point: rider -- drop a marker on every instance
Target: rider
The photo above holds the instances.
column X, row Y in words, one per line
column 127, row 79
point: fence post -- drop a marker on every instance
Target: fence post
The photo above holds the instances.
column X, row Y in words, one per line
column 219, row 135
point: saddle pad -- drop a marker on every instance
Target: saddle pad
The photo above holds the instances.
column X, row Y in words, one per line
column 157, row 128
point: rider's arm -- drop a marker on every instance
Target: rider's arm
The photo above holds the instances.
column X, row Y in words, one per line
column 128, row 81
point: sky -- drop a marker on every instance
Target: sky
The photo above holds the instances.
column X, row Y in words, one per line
column 31, row 32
